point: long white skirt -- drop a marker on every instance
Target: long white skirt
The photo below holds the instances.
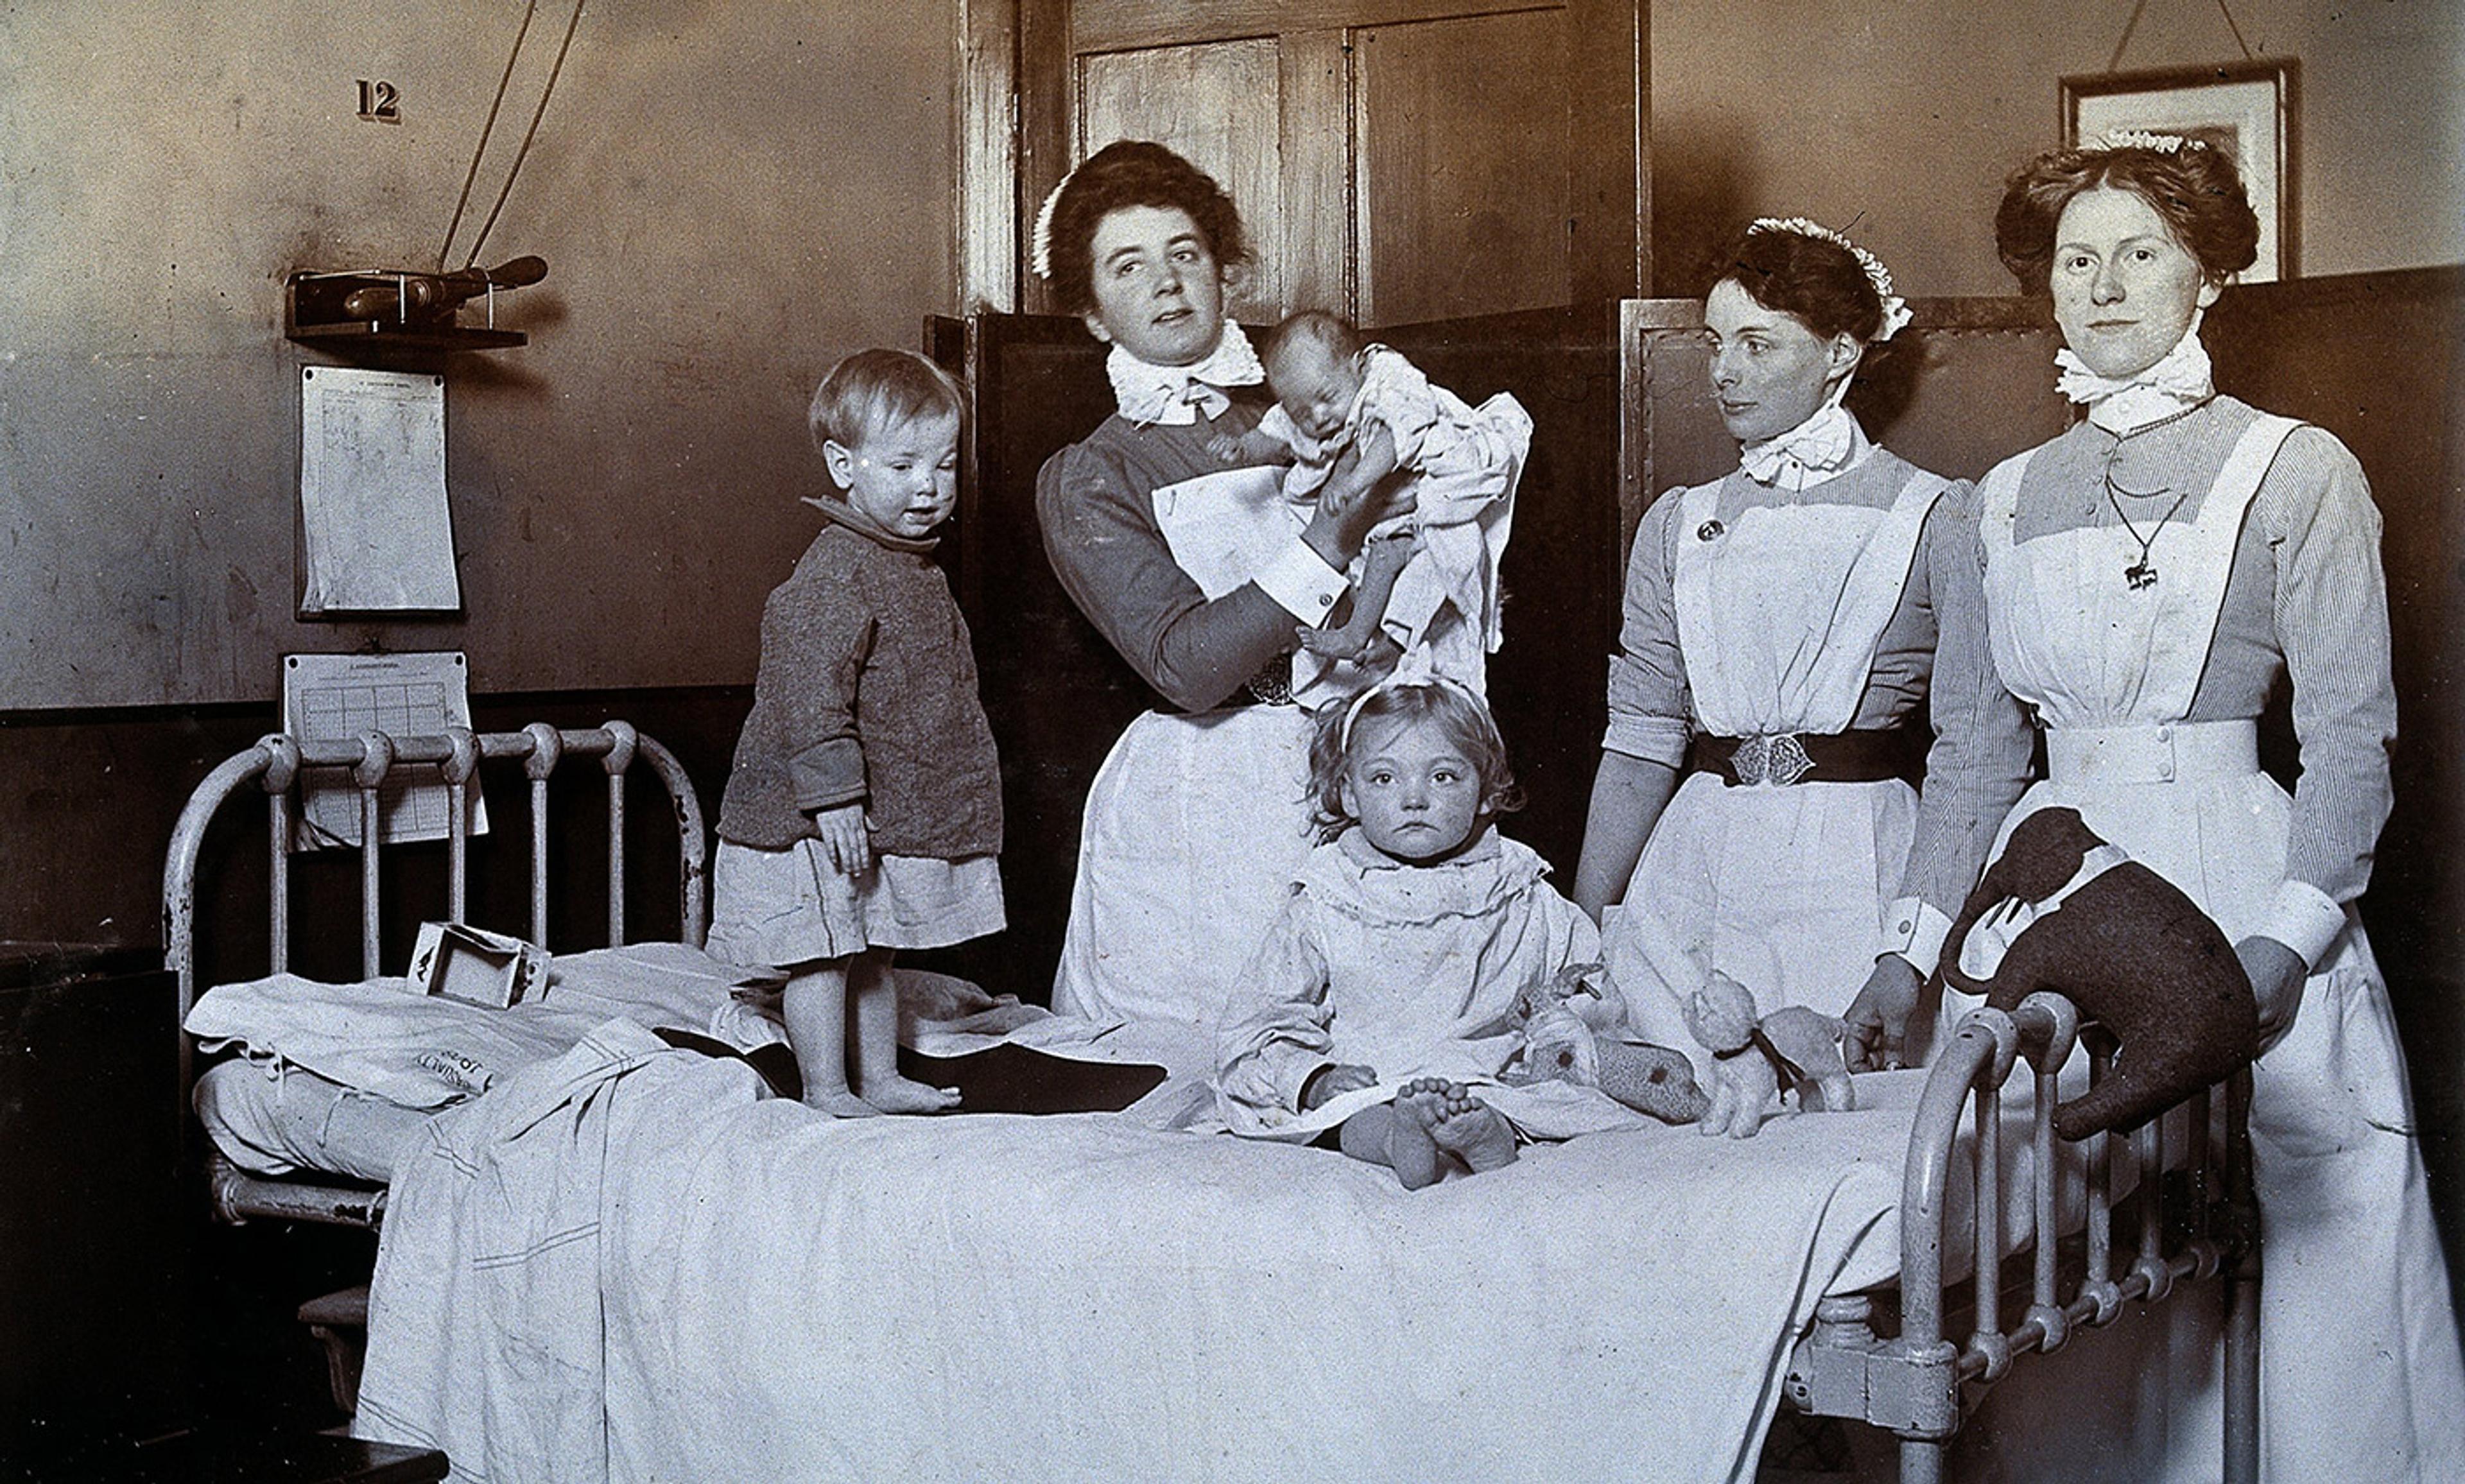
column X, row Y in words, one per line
column 1781, row 888
column 2360, row 1376
column 1194, row 827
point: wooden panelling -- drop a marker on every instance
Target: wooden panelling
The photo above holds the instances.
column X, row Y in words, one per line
column 1433, row 159
column 1318, row 265
column 1113, row 25
column 1455, row 214
column 986, row 250
column 1220, row 106
column 1048, row 130
column 1608, row 96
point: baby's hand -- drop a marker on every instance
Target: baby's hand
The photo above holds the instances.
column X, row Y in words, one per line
column 1224, row 449
column 1335, row 1081
column 843, row 834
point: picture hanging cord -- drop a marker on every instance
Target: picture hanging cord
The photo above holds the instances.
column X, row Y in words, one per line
column 2114, row 63
column 489, row 127
column 555, row 70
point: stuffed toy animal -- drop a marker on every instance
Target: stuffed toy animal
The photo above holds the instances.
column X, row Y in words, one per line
column 1791, row 1051
column 2065, row 911
column 1571, row 1033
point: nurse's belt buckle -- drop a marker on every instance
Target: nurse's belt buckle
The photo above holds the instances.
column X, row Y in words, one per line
column 1771, row 758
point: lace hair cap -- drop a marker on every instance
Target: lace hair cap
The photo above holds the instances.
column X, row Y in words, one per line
column 1895, row 309
column 1039, row 259
column 2141, row 139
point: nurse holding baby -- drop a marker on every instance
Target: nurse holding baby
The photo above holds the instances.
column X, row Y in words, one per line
column 1198, row 575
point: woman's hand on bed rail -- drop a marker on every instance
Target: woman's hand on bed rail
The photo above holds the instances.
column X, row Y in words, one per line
column 2277, row 974
column 1878, row 1020
column 843, row 834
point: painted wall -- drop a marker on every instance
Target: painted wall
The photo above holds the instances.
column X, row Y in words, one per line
column 1898, row 121
column 728, row 197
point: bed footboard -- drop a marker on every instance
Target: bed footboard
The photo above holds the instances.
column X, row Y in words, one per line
column 273, row 767
column 1913, row 1384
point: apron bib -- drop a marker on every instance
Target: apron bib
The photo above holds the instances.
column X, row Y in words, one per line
column 1780, row 887
column 1195, row 822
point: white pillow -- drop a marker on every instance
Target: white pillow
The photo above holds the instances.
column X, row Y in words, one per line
column 424, row 1052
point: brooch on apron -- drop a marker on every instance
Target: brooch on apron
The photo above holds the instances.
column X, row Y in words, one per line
column 1709, row 530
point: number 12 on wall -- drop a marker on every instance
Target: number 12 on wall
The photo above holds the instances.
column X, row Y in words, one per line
column 379, row 101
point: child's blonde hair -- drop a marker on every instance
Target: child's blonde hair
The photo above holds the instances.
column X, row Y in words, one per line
column 1457, row 712
column 875, row 390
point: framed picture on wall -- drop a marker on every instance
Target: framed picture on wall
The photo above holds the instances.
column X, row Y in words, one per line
column 2247, row 108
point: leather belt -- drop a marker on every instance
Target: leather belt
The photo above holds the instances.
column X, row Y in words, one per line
column 1859, row 756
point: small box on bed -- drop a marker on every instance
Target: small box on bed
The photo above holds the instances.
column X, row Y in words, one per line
column 476, row 965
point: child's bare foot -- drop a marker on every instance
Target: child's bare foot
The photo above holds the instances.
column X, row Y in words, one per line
column 1471, row 1130
column 840, row 1103
column 1411, row 1148
column 895, row 1093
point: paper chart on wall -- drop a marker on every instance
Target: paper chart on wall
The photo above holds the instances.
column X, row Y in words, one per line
column 377, row 532
column 342, row 695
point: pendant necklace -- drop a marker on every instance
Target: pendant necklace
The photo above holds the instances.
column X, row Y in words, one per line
column 2142, row 573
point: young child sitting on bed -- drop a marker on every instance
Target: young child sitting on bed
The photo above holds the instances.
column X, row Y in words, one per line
column 1426, row 581
column 863, row 814
column 1388, row 981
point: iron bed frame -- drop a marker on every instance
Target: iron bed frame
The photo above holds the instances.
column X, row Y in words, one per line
column 1916, row 1384
column 276, row 763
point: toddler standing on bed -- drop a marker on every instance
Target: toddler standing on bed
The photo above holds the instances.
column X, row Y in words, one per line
column 1427, row 587
column 863, row 814
column 1386, row 983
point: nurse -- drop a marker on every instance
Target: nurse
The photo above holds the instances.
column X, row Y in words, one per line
column 1201, row 576
column 2152, row 575
column 1798, row 634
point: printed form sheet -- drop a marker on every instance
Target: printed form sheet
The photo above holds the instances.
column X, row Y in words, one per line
column 377, row 531
column 340, row 695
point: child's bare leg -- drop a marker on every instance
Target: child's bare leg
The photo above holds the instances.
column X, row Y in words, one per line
column 1401, row 1132
column 1381, row 561
column 816, row 1006
column 876, row 1042
column 1393, row 1136
column 1471, row 1130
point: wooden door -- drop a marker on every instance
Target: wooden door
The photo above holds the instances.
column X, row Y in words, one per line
column 1397, row 160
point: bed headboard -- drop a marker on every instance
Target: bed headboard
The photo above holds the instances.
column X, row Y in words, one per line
column 274, row 767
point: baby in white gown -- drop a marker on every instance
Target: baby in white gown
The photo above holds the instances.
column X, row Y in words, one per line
column 1427, row 580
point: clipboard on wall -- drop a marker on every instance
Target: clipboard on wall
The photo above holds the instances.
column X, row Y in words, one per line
column 340, row 696
column 376, row 529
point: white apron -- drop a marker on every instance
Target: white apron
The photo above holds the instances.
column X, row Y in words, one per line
column 1779, row 886
column 2360, row 1376
column 1196, row 822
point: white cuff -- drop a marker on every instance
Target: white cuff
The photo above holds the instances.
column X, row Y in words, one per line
column 2305, row 919
column 1303, row 585
column 1915, row 930
column 1660, row 739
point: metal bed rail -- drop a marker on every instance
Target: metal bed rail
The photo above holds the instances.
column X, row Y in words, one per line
column 276, row 765
column 1913, row 1384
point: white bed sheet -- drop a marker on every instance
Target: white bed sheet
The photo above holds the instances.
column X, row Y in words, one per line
column 336, row 1079
column 627, row 1264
